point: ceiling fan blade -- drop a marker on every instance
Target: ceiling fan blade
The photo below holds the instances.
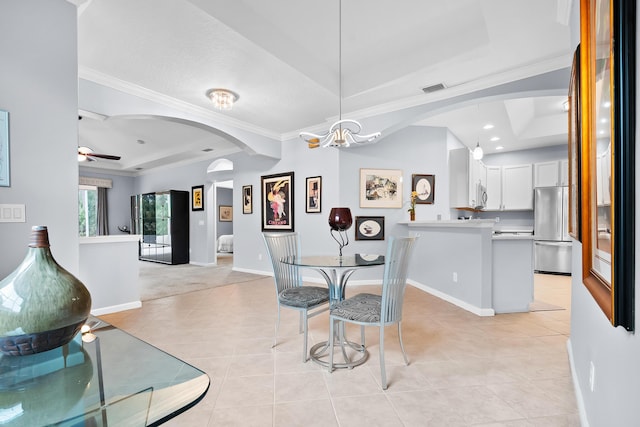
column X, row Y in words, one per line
column 103, row 156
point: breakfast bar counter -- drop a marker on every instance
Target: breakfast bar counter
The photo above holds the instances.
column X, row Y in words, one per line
column 465, row 263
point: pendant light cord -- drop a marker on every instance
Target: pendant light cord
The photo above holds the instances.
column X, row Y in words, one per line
column 340, row 63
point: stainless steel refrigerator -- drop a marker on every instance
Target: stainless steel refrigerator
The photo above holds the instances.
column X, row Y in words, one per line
column 552, row 243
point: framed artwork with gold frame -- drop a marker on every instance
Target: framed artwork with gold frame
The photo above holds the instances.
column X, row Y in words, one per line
column 197, row 198
column 225, row 213
column 607, row 123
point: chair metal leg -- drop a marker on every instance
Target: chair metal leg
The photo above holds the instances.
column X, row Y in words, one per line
column 383, row 374
column 331, row 341
column 362, row 335
column 306, row 332
column 406, row 361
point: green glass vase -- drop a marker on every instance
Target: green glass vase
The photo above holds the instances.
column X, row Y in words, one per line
column 42, row 305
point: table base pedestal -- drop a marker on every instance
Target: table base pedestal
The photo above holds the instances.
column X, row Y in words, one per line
column 319, row 353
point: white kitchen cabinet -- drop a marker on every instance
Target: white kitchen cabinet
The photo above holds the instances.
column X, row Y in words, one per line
column 546, row 174
column 517, row 187
column 465, row 174
column 494, row 188
column 551, row 174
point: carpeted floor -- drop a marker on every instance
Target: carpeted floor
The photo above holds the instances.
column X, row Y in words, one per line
column 161, row 280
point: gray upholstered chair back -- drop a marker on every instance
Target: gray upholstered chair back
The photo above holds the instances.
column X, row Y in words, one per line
column 281, row 245
column 399, row 251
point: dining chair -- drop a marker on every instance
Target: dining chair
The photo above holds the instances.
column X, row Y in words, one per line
column 366, row 309
column 290, row 293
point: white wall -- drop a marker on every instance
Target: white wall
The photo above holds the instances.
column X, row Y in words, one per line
column 38, row 86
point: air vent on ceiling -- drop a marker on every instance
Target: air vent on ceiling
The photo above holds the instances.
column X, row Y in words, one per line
column 433, row 88
column 206, row 150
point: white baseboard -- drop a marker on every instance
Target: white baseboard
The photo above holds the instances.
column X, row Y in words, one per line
column 116, row 308
column 484, row 312
column 584, row 422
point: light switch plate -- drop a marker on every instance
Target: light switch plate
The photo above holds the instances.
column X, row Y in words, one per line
column 12, row 213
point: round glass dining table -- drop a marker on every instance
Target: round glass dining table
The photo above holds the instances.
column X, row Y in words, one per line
column 336, row 271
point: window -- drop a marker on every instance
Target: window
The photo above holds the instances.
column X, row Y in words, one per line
column 87, row 210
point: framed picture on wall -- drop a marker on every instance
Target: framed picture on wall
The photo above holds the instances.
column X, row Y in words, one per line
column 225, row 213
column 608, row 140
column 314, row 194
column 369, row 228
column 197, row 198
column 277, row 202
column 247, row 199
column 424, row 185
column 380, row 188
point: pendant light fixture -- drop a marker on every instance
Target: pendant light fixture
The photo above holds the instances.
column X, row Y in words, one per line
column 343, row 133
column 477, row 152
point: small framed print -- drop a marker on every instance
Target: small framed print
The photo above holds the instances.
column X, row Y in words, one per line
column 380, row 188
column 225, row 213
column 314, row 194
column 424, row 185
column 369, row 228
column 197, row 198
column 247, row 199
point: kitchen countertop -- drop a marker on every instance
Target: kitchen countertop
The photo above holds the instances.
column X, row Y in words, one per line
column 512, row 235
column 457, row 223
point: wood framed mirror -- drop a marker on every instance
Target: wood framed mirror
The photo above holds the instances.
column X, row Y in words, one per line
column 607, row 97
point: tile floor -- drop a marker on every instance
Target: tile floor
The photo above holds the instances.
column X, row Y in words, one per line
column 465, row 370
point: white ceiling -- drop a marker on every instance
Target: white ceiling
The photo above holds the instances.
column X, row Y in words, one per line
column 282, row 58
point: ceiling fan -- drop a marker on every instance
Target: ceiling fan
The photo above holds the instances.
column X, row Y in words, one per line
column 87, row 154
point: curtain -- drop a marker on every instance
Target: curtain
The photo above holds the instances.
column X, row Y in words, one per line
column 103, row 219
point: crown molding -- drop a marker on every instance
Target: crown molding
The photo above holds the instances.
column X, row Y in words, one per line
column 188, row 108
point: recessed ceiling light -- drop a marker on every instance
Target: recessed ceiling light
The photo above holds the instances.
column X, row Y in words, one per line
column 141, row 142
column 603, row 120
column 606, row 104
column 487, row 126
column 206, row 150
column 499, row 147
column 495, row 138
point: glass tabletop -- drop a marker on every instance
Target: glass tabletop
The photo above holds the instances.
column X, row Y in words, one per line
column 103, row 378
column 326, row 261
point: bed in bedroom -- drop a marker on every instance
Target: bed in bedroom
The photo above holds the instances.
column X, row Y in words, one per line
column 225, row 243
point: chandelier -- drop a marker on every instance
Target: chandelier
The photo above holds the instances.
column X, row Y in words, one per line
column 343, row 133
